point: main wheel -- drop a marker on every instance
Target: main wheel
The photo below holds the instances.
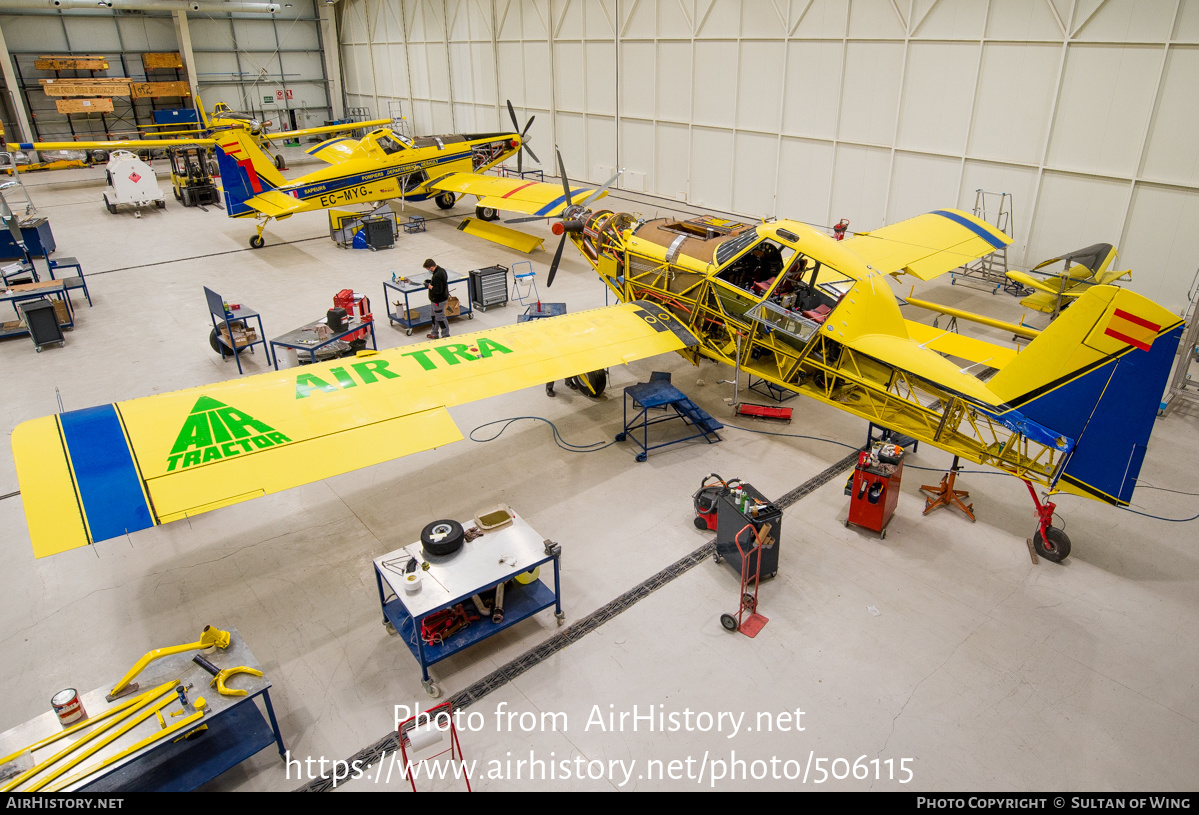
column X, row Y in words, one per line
column 257, row 242
column 729, row 622
column 1056, row 549
column 594, row 383
column 442, row 537
column 445, row 200
column 487, row 213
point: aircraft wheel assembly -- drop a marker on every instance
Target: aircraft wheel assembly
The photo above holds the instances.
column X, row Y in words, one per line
column 487, row 213
column 442, row 537
column 257, row 242
column 1058, row 547
column 445, row 200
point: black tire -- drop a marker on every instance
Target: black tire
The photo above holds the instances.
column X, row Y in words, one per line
column 700, row 523
column 729, row 622
column 441, row 538
column 162, row 204
column 487, row 213
column 219, row 346
column 175, row 190
column 594, row 383
column 445, row 201
column 187, row 198
column 280, row 163
column 257, row 242
column 1058, row 547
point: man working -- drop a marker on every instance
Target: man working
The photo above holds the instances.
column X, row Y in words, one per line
column 439, row 291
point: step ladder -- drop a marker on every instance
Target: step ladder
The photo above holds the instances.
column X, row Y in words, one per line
column 8, row 161
column 990, row 271
column 693, row 413
column 1181, row 385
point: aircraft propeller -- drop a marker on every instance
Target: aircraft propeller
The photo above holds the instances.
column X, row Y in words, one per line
column 567, row 223
column 524, row 145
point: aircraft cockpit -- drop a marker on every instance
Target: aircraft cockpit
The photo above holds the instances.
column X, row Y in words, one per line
column 390, row 143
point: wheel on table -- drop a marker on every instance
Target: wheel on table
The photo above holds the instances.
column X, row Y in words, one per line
column 257, row 242
column 1058, row 547
column 442, row 537
column 729, row 622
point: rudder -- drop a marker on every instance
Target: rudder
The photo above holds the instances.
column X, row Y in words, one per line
column 246, row 171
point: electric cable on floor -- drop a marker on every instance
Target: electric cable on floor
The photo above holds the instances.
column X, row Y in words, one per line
column 558, row 440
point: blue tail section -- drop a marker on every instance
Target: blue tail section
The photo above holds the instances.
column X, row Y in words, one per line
column 1109, row 411
column 246, row 171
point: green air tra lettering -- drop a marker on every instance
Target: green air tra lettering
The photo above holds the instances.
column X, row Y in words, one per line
column 376, row 370
column 369, row 372
column 214, row 431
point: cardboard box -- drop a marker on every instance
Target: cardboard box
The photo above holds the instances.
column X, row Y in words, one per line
column 453, row 307
column 61, row 312
column 413, row 314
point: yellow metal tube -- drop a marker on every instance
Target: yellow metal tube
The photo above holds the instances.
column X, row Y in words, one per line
column 88, row 722
column 1018, row 330
column 126, row 725
column 137, row 704
column 147, row 741
column 209, row 637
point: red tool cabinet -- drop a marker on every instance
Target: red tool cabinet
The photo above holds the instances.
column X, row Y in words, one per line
column 874, row 490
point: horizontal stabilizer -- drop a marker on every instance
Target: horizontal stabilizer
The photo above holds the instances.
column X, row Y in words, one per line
column 928, row 245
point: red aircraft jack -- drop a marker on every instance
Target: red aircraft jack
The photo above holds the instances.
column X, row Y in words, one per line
column 748, row 621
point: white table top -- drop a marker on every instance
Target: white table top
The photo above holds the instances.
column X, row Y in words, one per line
column 495, row 556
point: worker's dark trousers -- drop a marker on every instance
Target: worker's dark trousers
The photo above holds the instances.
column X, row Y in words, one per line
column 441, row 326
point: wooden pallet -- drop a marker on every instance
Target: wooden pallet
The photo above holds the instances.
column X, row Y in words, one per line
column 83, row 105
column 70, row 63
column 86, row 87
column 171, row 60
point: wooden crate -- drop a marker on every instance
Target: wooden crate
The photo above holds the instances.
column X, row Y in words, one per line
column 144, row 90
column 152, row 61
column 70, row 63
column 85, row 87
column 83, row 105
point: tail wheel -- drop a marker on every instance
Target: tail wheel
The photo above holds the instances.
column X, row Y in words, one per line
column 257, row 242
column 1056, row 549
column 445, row 200
column 280, row 164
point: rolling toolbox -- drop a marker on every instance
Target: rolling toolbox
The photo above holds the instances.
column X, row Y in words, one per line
column 730, row 520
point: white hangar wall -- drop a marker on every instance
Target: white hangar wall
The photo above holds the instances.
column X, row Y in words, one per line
column 872, row 110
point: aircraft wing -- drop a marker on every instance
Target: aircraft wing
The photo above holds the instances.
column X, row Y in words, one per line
column 342, row 128
column 98, row 473
column 928, row 245
column 512, row 194
column 126, row 144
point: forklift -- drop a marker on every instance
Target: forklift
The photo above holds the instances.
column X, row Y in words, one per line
column 191, row 177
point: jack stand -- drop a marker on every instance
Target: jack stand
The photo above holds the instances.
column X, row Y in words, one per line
column 946, row 496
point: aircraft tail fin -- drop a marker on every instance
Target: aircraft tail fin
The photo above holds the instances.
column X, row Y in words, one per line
column 246, row 171
column 203, row 115
column 1096, row 376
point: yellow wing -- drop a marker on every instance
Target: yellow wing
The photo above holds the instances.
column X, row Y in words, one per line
column 512, row 194
column 126, row 144
column 928, row 245
column 93, row 474
column 342, row 128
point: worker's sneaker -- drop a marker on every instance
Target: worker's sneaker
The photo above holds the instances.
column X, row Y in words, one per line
column 432, row 336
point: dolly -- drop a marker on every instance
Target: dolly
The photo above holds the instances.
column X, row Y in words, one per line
column 219, row 676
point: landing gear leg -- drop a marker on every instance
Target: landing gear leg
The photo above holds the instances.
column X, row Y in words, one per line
column 1049, row 542
column 257, row 242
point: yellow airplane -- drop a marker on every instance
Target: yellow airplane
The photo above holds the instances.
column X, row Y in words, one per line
column 1083, row 268
column 1072, row 411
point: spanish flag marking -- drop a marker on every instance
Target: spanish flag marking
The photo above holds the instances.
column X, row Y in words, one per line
column 1136, row 331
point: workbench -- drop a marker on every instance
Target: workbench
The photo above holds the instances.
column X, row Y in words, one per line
column 411, row 317
column 647, row 396
column 236, row 728
column 306, row 339
column 495, row 557
column 222, row 317
column 32, row 291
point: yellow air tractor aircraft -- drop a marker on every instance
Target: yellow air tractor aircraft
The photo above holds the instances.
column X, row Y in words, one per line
column 1083, row 268
column 1072, row 411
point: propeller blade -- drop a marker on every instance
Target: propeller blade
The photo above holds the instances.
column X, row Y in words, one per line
column 512, row 113
column 525, row 146
column 598, row 193
column 528, row 124
column 520, row 161
column 565, row 180
column 549, row 281
column 532, row 218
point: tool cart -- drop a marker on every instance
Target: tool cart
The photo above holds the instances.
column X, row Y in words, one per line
column 874, row 488
column 417, row 588
column 414, row 283
column 736, row 507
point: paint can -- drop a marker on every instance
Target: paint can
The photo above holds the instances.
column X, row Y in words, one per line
column 68, row 706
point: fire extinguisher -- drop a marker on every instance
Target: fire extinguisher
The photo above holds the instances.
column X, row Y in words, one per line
column 839, row 229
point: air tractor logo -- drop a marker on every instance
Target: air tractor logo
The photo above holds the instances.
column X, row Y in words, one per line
column 214, row 431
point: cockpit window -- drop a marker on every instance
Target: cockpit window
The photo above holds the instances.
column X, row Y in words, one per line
column 389, row 145
column 731, row 247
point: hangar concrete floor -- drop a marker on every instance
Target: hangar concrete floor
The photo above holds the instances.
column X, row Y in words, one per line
column 941, row 649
